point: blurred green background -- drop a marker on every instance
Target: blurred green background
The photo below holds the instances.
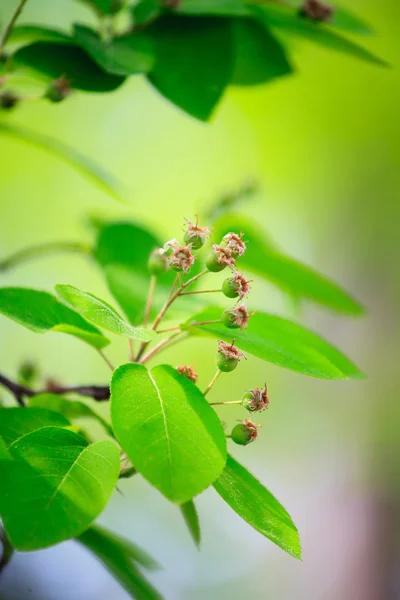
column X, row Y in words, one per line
column 325, row 147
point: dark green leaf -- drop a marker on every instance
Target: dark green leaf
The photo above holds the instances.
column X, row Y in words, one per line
column 119, row 561
column 227, row 8
column 86, row 166
column 257, row 506
column 259, row 56
column 55, row 60
column 41, row 312
column 100, row 313
column 126, row 55
column 289, row 274
column 71, row 409
column 287, row 20
column 105, row 7
column 17, row 422
column 283, row 343
column 191, row 517
column 35, row 33
column 4, row 455
column 145, row 11
column 56, row 486
column 168, row 430
column 193, row 62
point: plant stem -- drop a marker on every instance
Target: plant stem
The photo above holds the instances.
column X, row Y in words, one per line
column 40, row 250
column 158, row 347
column 221, row 403
column 7, row 552
column 106, row 360
column 173, row 328
column 199, row 292
column 150, row 297
column 11, row 24
column 131, row 350
column 213, row 380
column 199, row 323
column 96, row 392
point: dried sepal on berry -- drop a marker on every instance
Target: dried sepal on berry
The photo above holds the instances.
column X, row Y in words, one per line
column 244, row 432
column 256, row 400
column 316, row 10
column 228, row 356
column 234, row 242
column 188, row 372
column 219, row 258
column 236, row 318
column 196, row 235
column 236, row 286
column 158, row 262
column 58, row 89
column 182, row 258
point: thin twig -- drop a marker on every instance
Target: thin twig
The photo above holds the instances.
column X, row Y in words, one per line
column 221, row 403
column 96, row 392
column 11, row 24
column 213, row 380
column 131, row 350
column 106, row 359
column 199, row 292
column 156, row 349
column 149, row 302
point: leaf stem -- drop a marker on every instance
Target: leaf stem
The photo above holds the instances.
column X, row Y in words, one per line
column 212, row 382
column 150, row 297
column 221, row 403
column 199, row 323
column 40, row 250
column 199, row 292
column 131, row 350
column 106, row 359
column 11, row 24
column 156, row 349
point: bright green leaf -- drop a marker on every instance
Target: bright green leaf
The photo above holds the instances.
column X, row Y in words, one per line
column 168, row 430
column 126, row 55
column 282, row 343
column 288, row 20
column 71, row 409
column 193, row 62
column 342, row 18
column 99, row 312
column 55, row 60
column 86, row 166
column 4, row 455
column 259, row 56
column 41, row 312
column 119, row 557
column 289, row 274
column 191, row 517
column 56, row 486
column 17, row 422
column 227, row 8
column 35, row 33
column 257, row 506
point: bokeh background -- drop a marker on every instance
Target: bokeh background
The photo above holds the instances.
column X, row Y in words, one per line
column 324, row 146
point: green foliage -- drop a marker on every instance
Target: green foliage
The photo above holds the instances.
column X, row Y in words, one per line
column 191, row 517
column 70, row 409
column 97, row 311
column 120, row 556
column 281, row 342
column 167, row 429
column 17, row 422
column 256, row 505
column 291, row 275
column 55, row 487
column 35, row 33
column 41, row 312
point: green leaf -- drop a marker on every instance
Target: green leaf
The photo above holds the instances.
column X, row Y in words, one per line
column 17, row 422
column 71, row 409
column 126, row 55
column 168, row 430
column 99, row 312
column 343, row 19
column 56, row 486
column 287, row 20
column 105, row 7
column 287, row 273
column 282, row 343
column 227, row 8
column 191, row 517
column 145, row 11
column 86, row 166
column 4, row 455
column 55, row 60
column 259, row 56
column 118, row 556
column 193, row 62
column 41, row 312
column 35, row 33
column 257, row 506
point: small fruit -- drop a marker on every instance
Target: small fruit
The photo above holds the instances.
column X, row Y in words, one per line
column 8, row 100
column 244, row 432
column 182, row 258
column 58, row 90
column 219, row 258
column 235, row 244
column 235, row 318
column 236, row 286
column 228, row 356
column 158, row 262
column 255, row 400
column 188, row 372
column 196, row 235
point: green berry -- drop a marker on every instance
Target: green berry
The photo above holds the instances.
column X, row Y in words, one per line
column 157, row 263
column 212, row 263
column 58, row 90
column 244, row 433
column 229, row 288
column 229, row 319
column 197, row 241
column 226, row 364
